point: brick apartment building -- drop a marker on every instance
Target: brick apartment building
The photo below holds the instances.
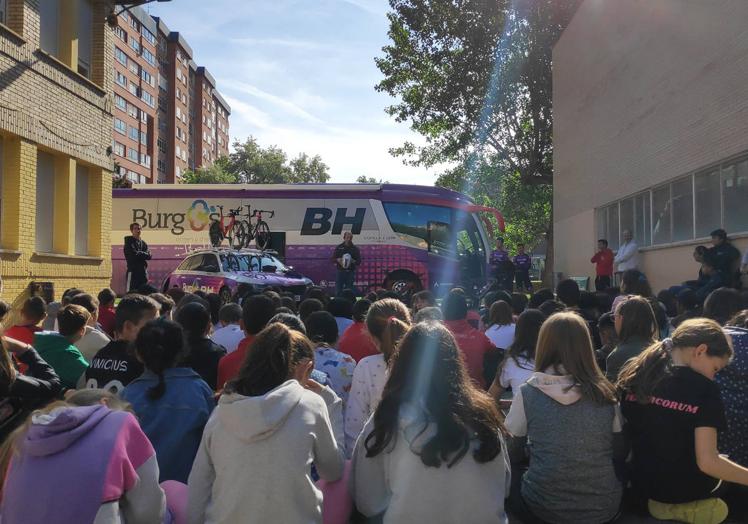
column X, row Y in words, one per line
column 168, row 115
column 55, row 132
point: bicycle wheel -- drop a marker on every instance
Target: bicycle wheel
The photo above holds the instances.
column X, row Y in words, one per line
column 239, row 236
column 262, row 235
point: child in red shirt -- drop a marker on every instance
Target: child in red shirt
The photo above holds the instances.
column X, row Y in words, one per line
column 106, row 311
column 604, row 265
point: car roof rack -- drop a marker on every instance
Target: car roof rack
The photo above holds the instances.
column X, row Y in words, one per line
column 225, row 249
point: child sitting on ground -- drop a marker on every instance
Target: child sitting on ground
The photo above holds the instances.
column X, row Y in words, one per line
column 58, row 348
column 172, row 403
column 673, row 412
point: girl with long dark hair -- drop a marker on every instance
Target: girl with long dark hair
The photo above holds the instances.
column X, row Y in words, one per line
column 636, row 326
column 173, row 403
column 519, row 360
column 270, row 425
column 202, row 354
column 674, row 412
column 433, row 450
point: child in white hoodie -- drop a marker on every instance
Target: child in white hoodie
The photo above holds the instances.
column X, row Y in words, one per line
column 258, row 447
column 569, row 413
column 433, row 451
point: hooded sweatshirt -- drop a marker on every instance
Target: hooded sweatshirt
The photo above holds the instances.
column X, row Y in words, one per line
column 571, row 479
column 256, row 454
column 90, row 464
column 64, row 357
column 397, row 485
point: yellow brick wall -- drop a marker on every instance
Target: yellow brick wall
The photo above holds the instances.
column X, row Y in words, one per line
column 45, row 105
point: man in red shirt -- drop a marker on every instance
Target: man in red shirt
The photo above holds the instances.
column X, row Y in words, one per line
column 257, row 311
column 604, row 265
column 473, row 344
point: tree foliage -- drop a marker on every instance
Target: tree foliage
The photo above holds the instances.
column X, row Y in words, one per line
column 474, row 78
column 250, row 163
column 363, row 179
column 216, row 173
column 253, row 164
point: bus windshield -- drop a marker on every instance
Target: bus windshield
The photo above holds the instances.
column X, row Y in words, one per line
column 442, row 230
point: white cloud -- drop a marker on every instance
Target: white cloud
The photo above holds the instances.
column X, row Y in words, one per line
column 278, row 101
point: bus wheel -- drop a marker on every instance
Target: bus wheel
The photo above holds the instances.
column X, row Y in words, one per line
column 403, row 282
column 225, row 295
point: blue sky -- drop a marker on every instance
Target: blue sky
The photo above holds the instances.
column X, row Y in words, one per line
column 300, row 74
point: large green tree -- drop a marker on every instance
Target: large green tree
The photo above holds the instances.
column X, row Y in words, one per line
column 254, row 164
column 474, row 78
column 216, row 173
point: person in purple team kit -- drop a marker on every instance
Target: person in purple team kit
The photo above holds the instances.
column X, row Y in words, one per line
column 502, row 266
column 522, row 264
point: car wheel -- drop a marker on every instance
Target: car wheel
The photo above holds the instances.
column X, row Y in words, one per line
column 225, row 295
column 404, row 283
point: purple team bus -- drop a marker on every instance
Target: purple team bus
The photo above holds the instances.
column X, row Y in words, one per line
column 410, row 237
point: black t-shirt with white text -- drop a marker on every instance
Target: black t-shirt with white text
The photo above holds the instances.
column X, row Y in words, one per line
column 662, row 434
column 113, row 367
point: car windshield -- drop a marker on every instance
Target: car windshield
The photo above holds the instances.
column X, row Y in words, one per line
column 247, row 262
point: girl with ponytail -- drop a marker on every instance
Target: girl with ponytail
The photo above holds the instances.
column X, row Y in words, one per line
column 387, row 322
column 172, row 403
column 674, row 411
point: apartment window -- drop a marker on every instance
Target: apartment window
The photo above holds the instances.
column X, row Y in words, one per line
column 134, row 23
column 178, row 172
column 179, row 112
column 119, row 149
column 144, row 117
column 708, row 209
column 120, row 78
column 135, row 45
column 133, row 88
column 49, row 20
column 148, row 56
column 120, row 102
column 147, row 77
column 132, row 110
column 120, row 33
column 145, row 159
column 179, row 93
column 132, row 154
column 162, row 166
column 81, row 210
column 120, row 126
column 45, row 182
column 148, row 36
column 85, row 37
column 133, row 67
column 184, row 155
column 163, row 83
column 148, row 98
column 120, row 55
column 178, row 151
column 143, row 138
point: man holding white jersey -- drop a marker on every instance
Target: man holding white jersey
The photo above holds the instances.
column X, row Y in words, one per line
column 347, row 258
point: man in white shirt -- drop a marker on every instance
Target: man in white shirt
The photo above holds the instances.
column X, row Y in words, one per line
column 230, row 333
column 628, row 254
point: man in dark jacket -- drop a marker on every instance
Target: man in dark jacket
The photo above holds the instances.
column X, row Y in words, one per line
column 347, row 258
column 137, row 257
column 725, row 257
